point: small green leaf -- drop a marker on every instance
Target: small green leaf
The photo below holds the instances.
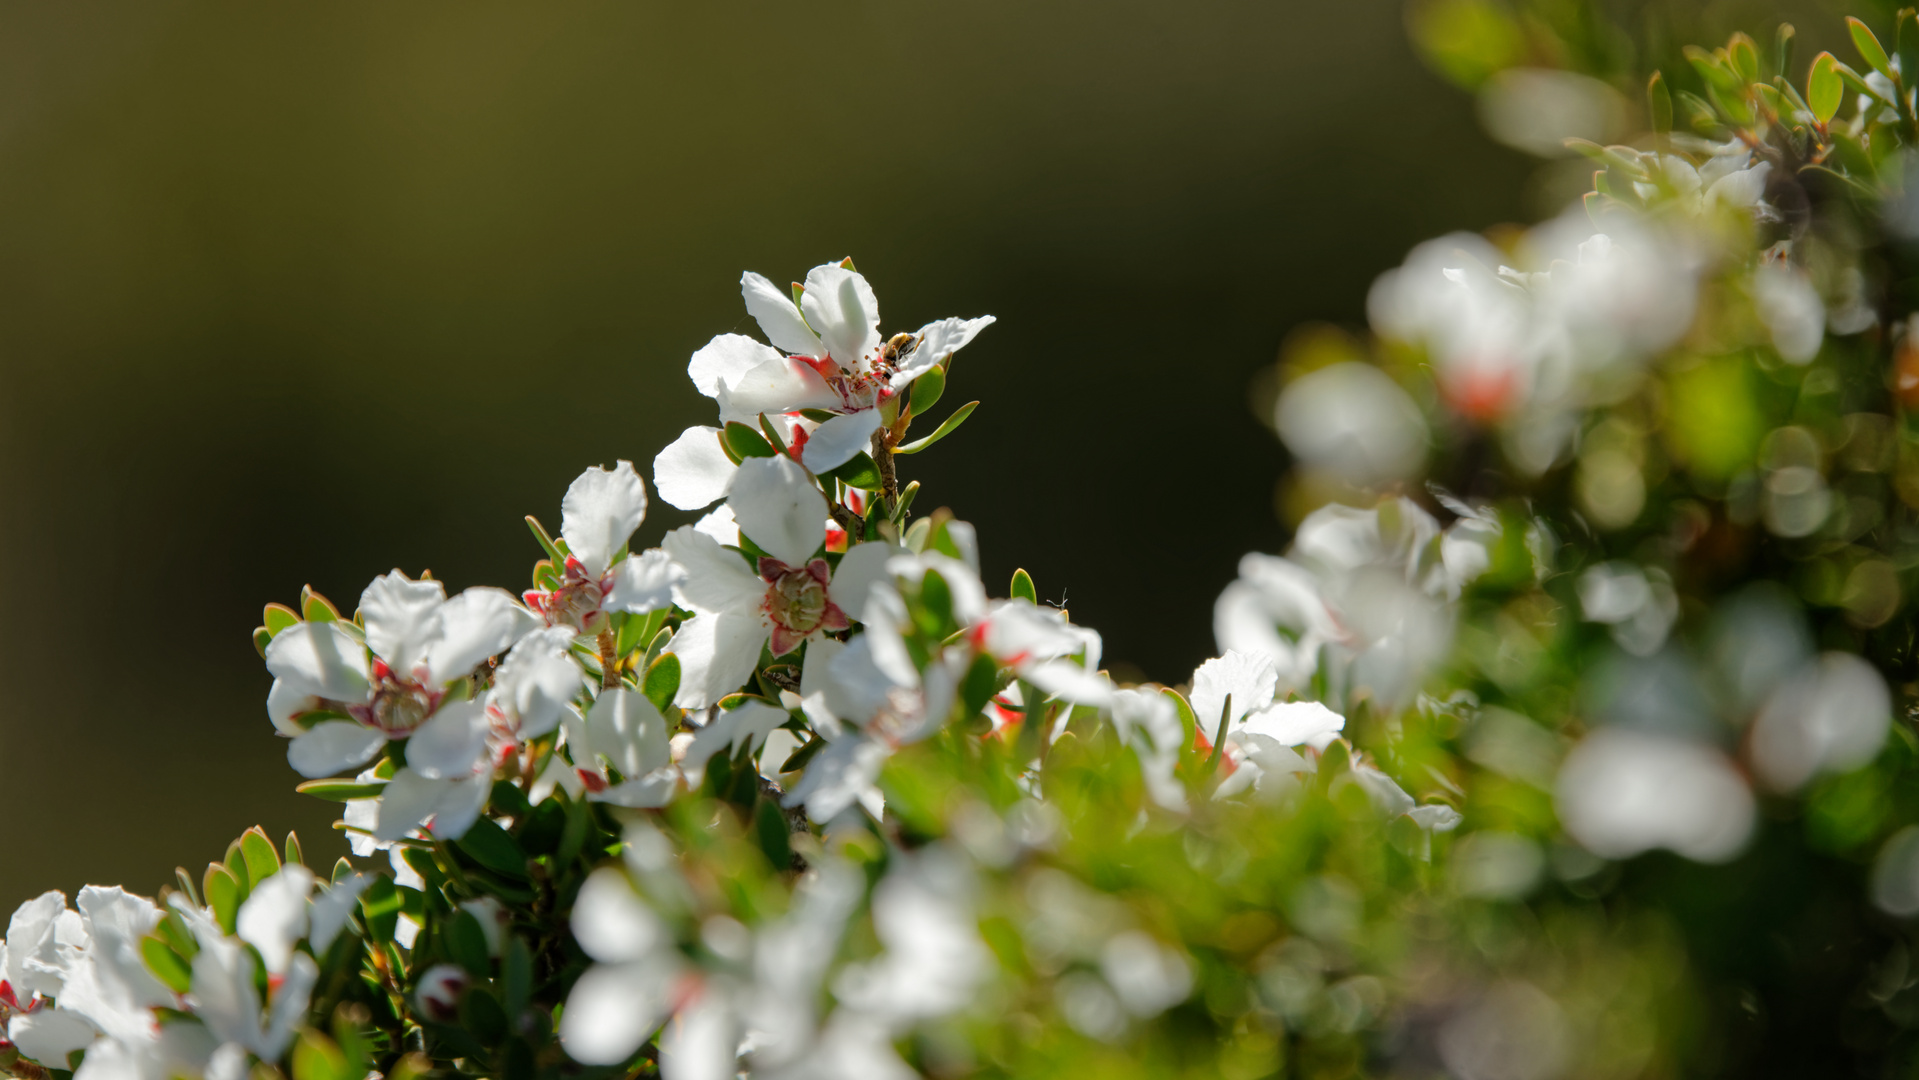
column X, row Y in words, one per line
column 950, row 425
column 1659, row 103
column 769, row 823
column 579, row 822
column 927, row 390
column 380, row 904
column 466, row 943
column 342, row 869
column 1022, row 587
column 236, row 864
column 637, row 630
column 316, row 607
column 262, row 861
column 860, row 472
column 772, row 437
column 186, row 885
column 334, row 790
column 1824, row 89
column 316, row 1057
column 494, row 848
column 797, row 759
column 223, row 895
column 1782, row 49
column 1744, row 56
column 482, row 1017
column 818, row 416
column 662, row 681
column 1869, row 48
column 516, row 974
column 292, row 849
column 907, row 495
column 540, row 834
column 981, row 683
column 261, row 639
column 727, row 448
column 279, row 617
column 166, row 965
column 746, row 442
column 508, row 799
column 546, row 540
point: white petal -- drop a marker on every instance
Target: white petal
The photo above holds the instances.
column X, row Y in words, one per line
column 1248, row 678
column 478, row 623
column 333, row 908
column 779, row 320
column 693, row 470
column 49, row 1035
column 611, row 922
column 717, row 653
column 319, row 659
column 538, row 679
column 779, row 509
column 937, row 341
column 613, row 1008
column 720, row 524
column 702, row 1041
column 644, row 582
column 1068, row 681
column 451, row 744
column 402, row 618
column 333, row 746
column 835, row 442
column 838, row 777
column 460, row 805
column 406, row 803
column 1388, row 797
column 1437, row 817
column 774, row 388
column 725, row 359
column 286, row 701
column 715, row 579
column 274, row 916
column 649, row 792
column 745, row 726
column 1296, row 723
column 223, row 996
column 626, row 729
column 859, row 569
column 601, row 509
column 840, row 306
column 290, row 1000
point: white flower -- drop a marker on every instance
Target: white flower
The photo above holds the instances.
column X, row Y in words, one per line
column 420, row 643
column 1622, row 792
column 598, row 516
column 1789, row 305
column 791, row 598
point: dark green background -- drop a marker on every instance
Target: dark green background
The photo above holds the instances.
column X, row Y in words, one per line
column 297, row 294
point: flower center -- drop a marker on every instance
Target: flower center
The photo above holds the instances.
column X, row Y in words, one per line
column 797, row 601
column 398, row 707
column 576, row 603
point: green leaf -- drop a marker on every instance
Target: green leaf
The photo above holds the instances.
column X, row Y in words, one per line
column 860, row 472
column 186, row 885
column 166, row 965
column 798, row 758
column 980, row 684
column 769, row 823
column 540, row 834
column 818, row 416
column 223, row 892
column 516, row 975
column 546, row 541
column 1744, row 56
column 1467, row 41
column 380, row 904
column 292, row 849
column 482, row 1017
column 579, row 823
column 951, row 425
column 261, row 639
column 907, row 495
column 926, row 391
column 508, row 799
column 336, row 790
column 494, row 848
column 637, row 630
column 772, row 437
column 1022, row 587
column 316, row 607
column 1659, row 103
column 1869, row 48
column 1824, row 89
column 466, row 944
column 262, row 861
column 316, row 1057
column 236, row 864
column 662, row 681
column 279, row 617
column 1782, row 49
column 727, row 448
column 746, row 442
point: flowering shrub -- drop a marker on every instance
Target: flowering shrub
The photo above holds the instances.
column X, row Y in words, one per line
column 796, row 794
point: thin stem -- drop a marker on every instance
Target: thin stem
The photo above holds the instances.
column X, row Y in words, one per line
column 889, row 480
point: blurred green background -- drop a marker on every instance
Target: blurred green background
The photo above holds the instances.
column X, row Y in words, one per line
column 298, row 295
